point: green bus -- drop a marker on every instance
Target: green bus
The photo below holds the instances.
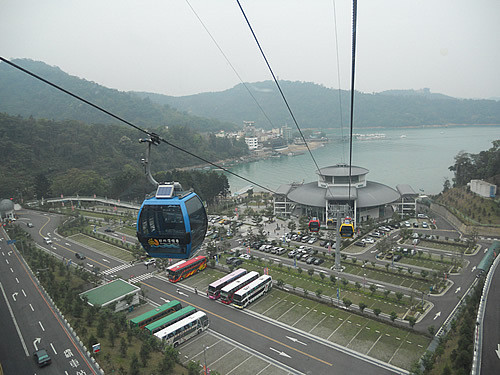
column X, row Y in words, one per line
column 170, row 319
column 151, row 316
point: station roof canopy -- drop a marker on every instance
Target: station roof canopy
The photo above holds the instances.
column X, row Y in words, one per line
column 373, row 194
column 342, row 170
column 110, row 292
column 405, row 189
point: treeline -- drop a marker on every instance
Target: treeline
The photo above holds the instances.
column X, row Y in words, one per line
column 21, row 94
column 45, row 158
column 316, row 106
column 483, row 166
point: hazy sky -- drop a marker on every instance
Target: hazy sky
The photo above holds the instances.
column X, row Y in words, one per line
column 449, row 46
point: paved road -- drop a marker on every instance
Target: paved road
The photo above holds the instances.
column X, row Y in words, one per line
column 261, row 335
column 40, row 326
column 490, row 359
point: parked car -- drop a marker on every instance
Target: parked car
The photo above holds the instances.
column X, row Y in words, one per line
column 47, row 240
column 230, row 260
column 425, row 225
column 292, row 253
column 80, row 256
column 397, row 257
column 310, row 260
column 359, row 243
column 109, row 230
column 30, row 225
column 318, row 261
column 245, row 256
column 415, row 225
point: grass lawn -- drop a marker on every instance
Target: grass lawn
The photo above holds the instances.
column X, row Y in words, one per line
column 104, row 247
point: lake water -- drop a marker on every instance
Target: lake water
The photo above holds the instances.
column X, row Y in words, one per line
column 419, row 157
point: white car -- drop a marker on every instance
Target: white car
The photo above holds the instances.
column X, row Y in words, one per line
column 149, row 262
column 245, row 256
column 368, row 240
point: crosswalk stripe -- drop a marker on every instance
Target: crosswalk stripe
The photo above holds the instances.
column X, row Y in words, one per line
column 116, row 269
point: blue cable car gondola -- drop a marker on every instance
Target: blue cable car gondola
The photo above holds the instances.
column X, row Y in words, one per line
column 173, row 223
column 314, row 225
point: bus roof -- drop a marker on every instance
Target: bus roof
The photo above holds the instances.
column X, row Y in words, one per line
column 239, row 281
column 184, row 263
column 239, row 271
column 170, row 317
column 253, row 284
column 181, row 323
column 154, row 312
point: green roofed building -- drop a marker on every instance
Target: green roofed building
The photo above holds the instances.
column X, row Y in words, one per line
column 116, row 291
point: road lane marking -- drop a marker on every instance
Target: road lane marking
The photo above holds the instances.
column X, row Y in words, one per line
column 243, row 327
column 15, row 321
column 32, row 309
column 43, row 329
column 54, row 349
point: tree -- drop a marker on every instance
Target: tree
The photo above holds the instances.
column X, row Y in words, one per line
column 318, row 292
column 377, row 311
column 194, row 368
column 310, row 272
column 357, row 285
column 170, row 357
column 411, row 321
column 431, row 330
column 333, row 279
column 446, row 185
column 344, row 281
column 347, row 302
column 362, row 306
column 123, row 348
column 399, row 296
column 292, row 225
column 42, row 186
column 393, row 315
column 134, row 365
column 373, row 288
column 145, row 352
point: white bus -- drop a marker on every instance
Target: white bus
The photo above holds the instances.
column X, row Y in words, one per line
column 227, row 293
column 252, row 291
column 184, row 329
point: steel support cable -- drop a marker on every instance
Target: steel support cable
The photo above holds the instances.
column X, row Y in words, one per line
column 353, row 66
column 338, row 81
column 231, row 65
column 277, row 84
column 154, row 136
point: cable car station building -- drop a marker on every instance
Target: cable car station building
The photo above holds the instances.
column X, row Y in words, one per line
column 323, row 197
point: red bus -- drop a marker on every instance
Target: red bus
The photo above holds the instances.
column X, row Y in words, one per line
column 186, row 268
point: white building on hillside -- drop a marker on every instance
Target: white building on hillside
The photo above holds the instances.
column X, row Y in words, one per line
column 483, row 188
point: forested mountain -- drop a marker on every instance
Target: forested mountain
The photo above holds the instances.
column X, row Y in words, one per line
column 48, row 158
column 315, row 106
column 21, row 94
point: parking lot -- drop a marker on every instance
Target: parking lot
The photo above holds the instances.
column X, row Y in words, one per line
column 227, row 357
column 385, row 342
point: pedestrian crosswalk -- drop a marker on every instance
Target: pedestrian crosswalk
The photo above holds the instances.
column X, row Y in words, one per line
column 117, row 268
column 140, row 278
